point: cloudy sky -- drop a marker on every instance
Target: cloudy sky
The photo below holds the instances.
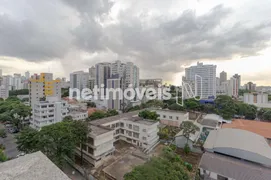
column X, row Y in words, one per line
column 161, row 36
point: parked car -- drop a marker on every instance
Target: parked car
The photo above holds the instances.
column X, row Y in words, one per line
column 13, row 130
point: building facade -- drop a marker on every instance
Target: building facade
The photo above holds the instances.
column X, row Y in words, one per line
column 255, row 98
column 48, row 112
column 79, row 80
column 202, row 79
column 42, row 86
column 223, row 77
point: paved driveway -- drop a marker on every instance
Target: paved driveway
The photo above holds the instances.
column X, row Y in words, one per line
column 10, row 144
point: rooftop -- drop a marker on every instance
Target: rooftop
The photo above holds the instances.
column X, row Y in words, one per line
column 258, row 127
column 114, row 118
column 239, row 143
column 172, row 111
column 124, row 165
column 98, row 130
column 31, row 166
column 233, row 168
column 140, row 120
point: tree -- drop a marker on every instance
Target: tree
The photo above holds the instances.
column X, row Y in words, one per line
column 91, row 104
column 57, row 141
column 168, row 166
column 3, row 157
column 146, row 114
column 225, row 106
column 176, row 107
column 28, row 140
column 188, row 127
column 97, row 115
column 67, row 118
column 267, row 115
column 112, row 112
column 1, row 99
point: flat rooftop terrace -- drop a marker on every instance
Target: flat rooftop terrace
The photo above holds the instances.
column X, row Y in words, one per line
column 98, row 130
column 124, row 165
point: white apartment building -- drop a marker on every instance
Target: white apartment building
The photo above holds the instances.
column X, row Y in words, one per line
column 127, row 127
column 223, row 77
column 42, row 86
column 203, row 77
column 114, row 101
column 233, row 87
column 131, row 75
column 172, row 118
column 250, row 86
column 256, row 98
column 132, row 129
column 4, row 92
column 79, row 80
column 78, row 111
column 103, row 72
column 48, row 112
column 99, row 146
column 119, row 68
column 238, row 78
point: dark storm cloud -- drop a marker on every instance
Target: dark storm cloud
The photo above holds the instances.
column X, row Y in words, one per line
column 160, row 42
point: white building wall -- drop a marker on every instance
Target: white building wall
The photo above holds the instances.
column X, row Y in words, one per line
column 208, row 75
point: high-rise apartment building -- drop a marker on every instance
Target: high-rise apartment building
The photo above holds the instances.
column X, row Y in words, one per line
column 79, row 80
column 47, row 112
column 1, row 73
column 233, row 89
column 202, row 79
column 27, row 75
column 250, row 86
column 42, row 86
column 115, row 99
column 92, row 76
column 238, row 78
column 131, row 75
column 92, row 72
column 223, row 77
column 103, row 72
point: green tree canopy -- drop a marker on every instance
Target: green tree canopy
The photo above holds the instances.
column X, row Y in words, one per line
column 168, row 166
column 188, row 128
column 146, row 114
column 57, row 141
column 267, row 115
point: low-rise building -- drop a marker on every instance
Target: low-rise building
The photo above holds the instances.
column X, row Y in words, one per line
column 4, row 92
column 127, row 127
column 171, row 117
column 99, row 146
column 258, row 127
column 255, row 98
column 235, row 154
column 31, row 166
column 132, row 129
column 48, row 112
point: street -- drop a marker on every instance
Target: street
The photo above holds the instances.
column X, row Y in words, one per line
column 10, row 144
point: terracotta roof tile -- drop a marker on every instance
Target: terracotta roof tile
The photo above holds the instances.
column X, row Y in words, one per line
column 258, row 127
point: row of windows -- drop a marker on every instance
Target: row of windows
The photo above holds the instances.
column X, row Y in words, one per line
column 170, row 117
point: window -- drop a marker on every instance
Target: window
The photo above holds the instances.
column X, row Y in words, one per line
column 177, row 118
column 164, row 116
column 136, row 128
column 84, row 147
column 121, row 125
column 90, row 150
column 144, row 138
column 90, row 141
column 122, row 131
column 130, row 126
column 136, row 135
column 170, row 117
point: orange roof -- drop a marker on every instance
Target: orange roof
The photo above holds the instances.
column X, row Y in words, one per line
column 91, row 110
column 258, row 127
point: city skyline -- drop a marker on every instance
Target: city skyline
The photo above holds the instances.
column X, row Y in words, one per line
column 161, row 37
